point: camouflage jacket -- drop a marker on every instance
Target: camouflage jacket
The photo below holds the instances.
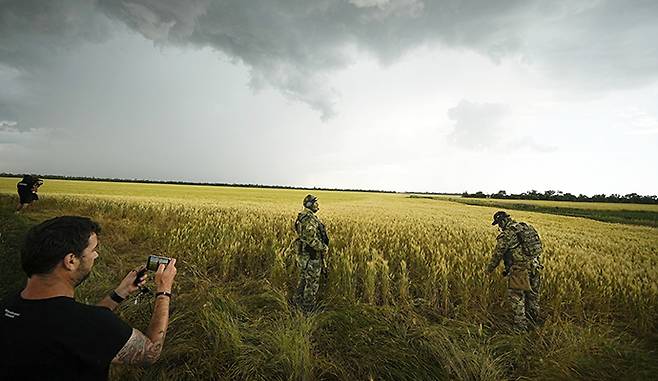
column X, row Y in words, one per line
column 308, row 227
column 508, row 248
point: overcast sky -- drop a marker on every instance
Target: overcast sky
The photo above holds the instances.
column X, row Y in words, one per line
column 405, row 95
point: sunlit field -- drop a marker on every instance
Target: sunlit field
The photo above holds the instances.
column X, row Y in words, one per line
column 407, row 296
column 634, row 214
column 572, row 204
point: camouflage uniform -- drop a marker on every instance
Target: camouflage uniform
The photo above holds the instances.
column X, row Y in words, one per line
column 522, row 271
column 310, row 248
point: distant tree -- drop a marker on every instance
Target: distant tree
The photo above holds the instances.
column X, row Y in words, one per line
column 632, row 197
column 533, row 195
column 561, row 196
column 568, row 197
column 598, row 198
column 500, row 194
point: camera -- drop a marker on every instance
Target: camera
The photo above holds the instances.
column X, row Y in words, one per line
column 152, row 264
column 154, row 261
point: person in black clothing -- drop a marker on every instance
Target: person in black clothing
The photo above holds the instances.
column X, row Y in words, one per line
column 27, row 191
column 46, row 335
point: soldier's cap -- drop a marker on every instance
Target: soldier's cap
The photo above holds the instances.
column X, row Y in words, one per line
column 499, row 216
column 309, row 199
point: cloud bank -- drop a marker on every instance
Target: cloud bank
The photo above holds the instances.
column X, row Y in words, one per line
column 294, row 46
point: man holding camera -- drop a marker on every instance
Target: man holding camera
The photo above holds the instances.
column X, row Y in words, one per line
column 46, row 335
column 27, row 191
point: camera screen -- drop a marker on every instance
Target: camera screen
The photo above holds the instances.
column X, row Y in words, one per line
column 154, row 261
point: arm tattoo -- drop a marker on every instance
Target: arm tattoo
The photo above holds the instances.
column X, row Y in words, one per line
column 138, row 350
column 143, row 349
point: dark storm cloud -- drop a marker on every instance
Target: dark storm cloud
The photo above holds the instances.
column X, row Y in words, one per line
column 32, row 30
column 294, row 45
column 33, row 34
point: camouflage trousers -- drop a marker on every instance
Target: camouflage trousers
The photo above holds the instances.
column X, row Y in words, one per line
column 309, row 281
column 525, row 304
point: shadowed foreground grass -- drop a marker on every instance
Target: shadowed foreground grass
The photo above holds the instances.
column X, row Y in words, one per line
column 231, row 318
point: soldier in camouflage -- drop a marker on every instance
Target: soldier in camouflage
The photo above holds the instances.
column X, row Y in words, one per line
column 311, row 245
column 519, row 247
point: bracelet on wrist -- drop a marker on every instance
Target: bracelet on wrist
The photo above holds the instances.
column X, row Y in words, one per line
column 163, row 293
column 116, row 297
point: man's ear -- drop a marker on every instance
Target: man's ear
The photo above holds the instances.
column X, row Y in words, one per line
column 70, row 262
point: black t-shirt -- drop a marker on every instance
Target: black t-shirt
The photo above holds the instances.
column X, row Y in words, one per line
column 58, row 339
column 25, row 190
column 24, row 187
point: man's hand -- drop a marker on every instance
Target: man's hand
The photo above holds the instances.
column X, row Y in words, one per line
column 128, row 286
column 145, row 349
column 164, row 277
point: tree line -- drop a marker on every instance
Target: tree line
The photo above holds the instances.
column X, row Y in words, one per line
column 552, row 195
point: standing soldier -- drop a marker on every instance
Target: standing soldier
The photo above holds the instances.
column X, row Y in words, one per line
column 519, row 247
column 311, row 245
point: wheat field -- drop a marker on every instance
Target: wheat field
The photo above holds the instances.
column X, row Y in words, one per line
column 407, row 297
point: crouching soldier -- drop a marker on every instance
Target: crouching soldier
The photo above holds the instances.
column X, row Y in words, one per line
column 311, row 246
column 518, row 245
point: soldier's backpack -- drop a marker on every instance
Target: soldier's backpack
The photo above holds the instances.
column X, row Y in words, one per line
column 301, row 218
column 529, row 240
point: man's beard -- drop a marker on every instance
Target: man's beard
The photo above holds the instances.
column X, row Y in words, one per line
column 83, row 278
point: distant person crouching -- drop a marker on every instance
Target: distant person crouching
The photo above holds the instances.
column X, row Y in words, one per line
column 46, row 335
column 27, row 191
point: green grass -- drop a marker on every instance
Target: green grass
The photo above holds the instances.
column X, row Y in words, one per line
column 12, row 231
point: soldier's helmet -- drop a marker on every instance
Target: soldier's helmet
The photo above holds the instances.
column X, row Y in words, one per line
column 499, row 216
column 309, row 200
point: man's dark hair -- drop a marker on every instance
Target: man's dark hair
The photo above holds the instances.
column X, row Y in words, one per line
column 50, row 241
